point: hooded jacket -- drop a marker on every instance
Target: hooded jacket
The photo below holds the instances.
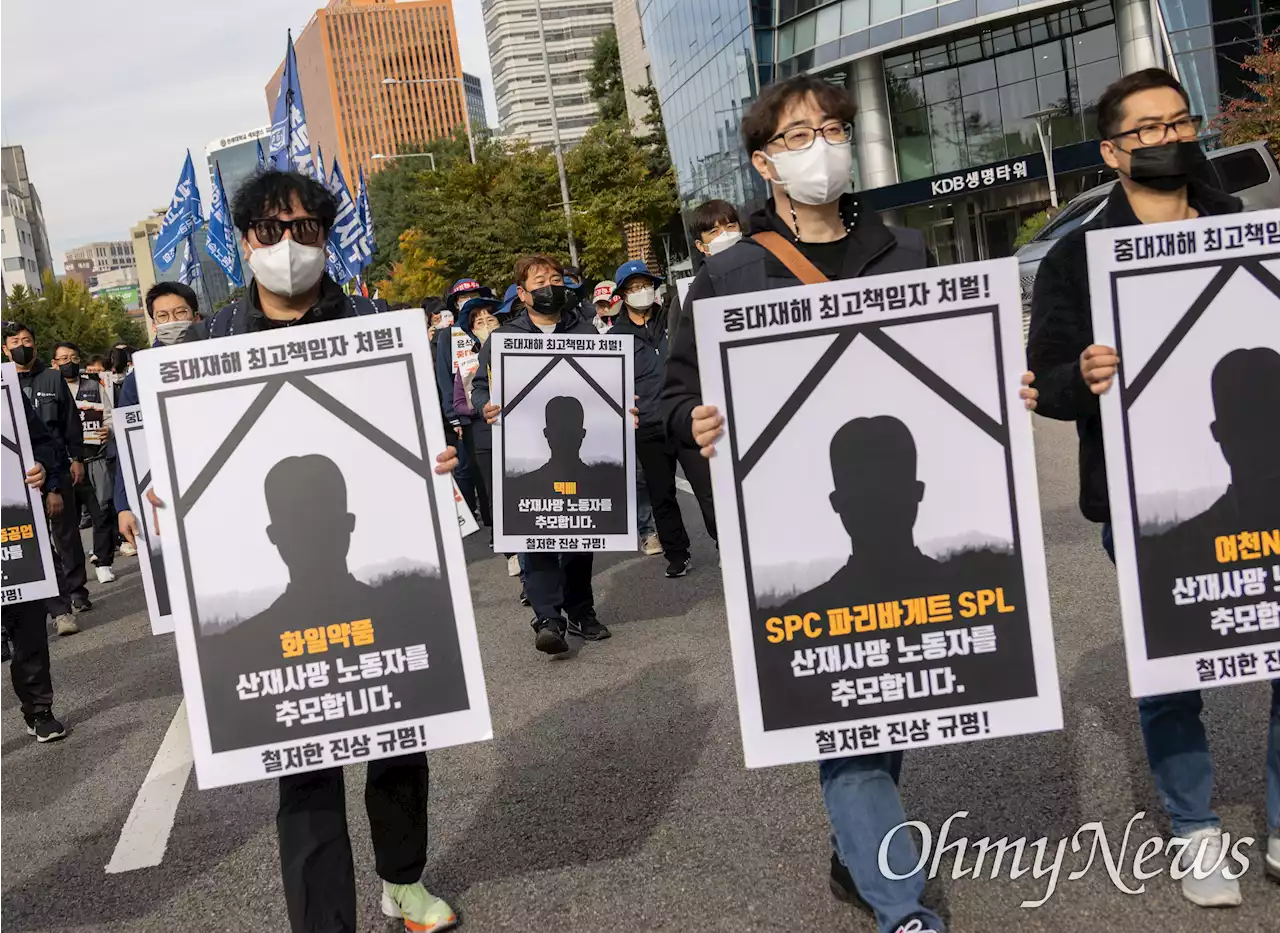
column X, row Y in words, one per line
column 1062, row 328
column 871, row 248
column 650, row 345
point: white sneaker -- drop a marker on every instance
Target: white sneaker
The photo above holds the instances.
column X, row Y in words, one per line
column 1205, row 862
column 513, row 565
column 650, row 545
column 105, row 575
column 127, row 549
column 66, row 624
column 1272, row 863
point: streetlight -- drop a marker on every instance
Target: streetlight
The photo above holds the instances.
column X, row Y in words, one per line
column 1042, row 118
column 377, row 156
column 555, row 133
column 462, row 91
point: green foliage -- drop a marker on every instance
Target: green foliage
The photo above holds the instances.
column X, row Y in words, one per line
column 1256, row 116
column 1031, row 226
column 654, row 143
column 66, row 311
column 604, row 78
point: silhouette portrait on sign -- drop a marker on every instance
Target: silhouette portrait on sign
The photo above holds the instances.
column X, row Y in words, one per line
column 877, row 496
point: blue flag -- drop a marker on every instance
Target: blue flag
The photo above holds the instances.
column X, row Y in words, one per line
column 190, row 270
column 347, row 236
column 320, row 166
column 262, row 158
column 183, row 217
column 366, row 219
column 290, row 147
column 222, row 243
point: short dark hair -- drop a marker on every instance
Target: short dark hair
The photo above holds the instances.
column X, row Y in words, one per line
column 14, row 328
column 1111, row 102
column 711, row 214
column 272, row 192
column 96, row 360
column 65, row 343
column 761, row 122
column 160, row 289
column 526, row 264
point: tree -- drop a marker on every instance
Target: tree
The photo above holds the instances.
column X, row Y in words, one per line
column 67, row 312
column 657, row 155
column 604, row 78
column 1257, row 116
column 416, row 276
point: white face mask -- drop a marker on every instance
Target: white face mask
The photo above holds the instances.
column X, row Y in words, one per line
column 171, row 332
column 722, row 242
column 641, row 300
column 817, row 175
column 287, row 268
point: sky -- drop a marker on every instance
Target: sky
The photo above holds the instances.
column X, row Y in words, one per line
column 106, row 98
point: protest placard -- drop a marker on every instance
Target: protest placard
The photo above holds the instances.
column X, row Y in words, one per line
column 879, row 528
column 1191, row 430
column 131, row 445
column 24, row 535
column 335, row 626
column 564, row 447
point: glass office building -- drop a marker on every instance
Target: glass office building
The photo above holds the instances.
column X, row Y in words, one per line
column 948, row 93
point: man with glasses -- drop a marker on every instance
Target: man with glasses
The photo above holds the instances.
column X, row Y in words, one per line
column 1149, row 137
column 94, row 493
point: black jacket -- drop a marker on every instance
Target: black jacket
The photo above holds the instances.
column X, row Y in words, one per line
column 45, row 448
column 1062, row 328
column 650, row 347
column 870, row 248
column 244, row 315
column 48, row 394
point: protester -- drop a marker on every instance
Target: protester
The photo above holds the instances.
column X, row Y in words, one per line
column 96, row 365
column 715, row 227
column 473, row 491
column 602, row 300
column 557, row 584
column 94, row 494
column 799, row 133
column 477, row 318
column 658, row 455
column 1150, row 138
column 48, row 393
column 24, row 622
column 284, row 219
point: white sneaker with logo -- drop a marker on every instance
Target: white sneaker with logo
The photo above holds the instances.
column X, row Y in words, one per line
column 1206, row 862
column 105, row 574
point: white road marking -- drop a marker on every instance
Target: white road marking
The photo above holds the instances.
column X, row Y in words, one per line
column 146, row 832
column 683, row 484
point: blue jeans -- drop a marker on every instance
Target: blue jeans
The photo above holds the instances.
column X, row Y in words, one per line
column 1179, row 756
column 863, row 805
column 644, row 510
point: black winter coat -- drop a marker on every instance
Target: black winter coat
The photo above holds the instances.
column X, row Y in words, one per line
column 650, row 345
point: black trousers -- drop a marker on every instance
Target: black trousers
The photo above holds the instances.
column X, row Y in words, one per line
column 480, row 477
column 658, row 457
column 103, row 517
column 29, row 666
column 68, row 551
column 555, row 582
column 315, row 851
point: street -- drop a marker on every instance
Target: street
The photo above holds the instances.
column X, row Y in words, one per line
column 613, row 795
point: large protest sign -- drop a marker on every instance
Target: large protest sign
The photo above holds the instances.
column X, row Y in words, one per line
column 1191, row 427
column 24, row 534
column 564, row 475
column 335, row 624
column 131, row 445
column 879, row 525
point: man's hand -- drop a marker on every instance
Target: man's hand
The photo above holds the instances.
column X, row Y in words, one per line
column 35, row 476
column 491, row 412
column 53, row 504
column 1027, row 393
column 128, row 527
column 635, row 414
column 447, row 462
column 1098, row 366
column 77, row 472
column 708, row 425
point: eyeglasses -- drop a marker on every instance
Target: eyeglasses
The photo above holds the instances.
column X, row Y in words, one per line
column 270, row 230
column 1153, row 134
column 175, row 314
column 802, row 137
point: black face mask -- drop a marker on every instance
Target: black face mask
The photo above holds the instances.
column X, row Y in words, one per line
column 119, row 358
column 70, row 371
column 548, row 300
column 22, row 354
column 1166, row 167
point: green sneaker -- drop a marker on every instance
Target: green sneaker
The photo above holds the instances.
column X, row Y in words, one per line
column 421, row 910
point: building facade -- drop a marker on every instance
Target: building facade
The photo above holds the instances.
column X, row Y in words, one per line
column 236, row 156
column 17, row 243
column 121, row 284
column 362, row 64
column 568, row 32
column 475, row 103
column 105, row 255
column 13, row 171
column 946, row 137
column 634, row 55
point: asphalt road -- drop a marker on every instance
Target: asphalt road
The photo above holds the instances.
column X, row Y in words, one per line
column 614, row 796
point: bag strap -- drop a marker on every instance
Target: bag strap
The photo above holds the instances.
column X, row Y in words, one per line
column 786, row 253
